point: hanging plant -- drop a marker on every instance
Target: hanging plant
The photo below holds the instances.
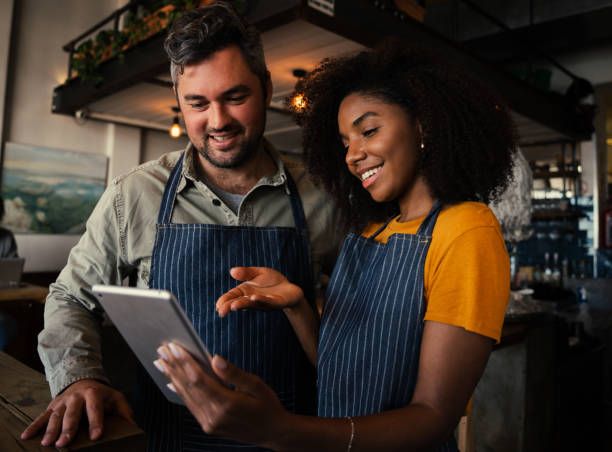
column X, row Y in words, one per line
column 147, row 21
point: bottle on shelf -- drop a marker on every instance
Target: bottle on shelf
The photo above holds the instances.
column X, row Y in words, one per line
column 564, row 270
column 573, row 273
column 582, row 269
column 537, row 273
column 584, row 315
column 556, row 271
column 547, row 273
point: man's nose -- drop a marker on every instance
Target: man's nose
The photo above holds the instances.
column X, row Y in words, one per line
column 218, row 117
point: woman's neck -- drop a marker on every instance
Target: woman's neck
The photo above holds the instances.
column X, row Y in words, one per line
column 416, row 202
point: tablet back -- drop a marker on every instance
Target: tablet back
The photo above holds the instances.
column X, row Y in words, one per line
column 146, row 319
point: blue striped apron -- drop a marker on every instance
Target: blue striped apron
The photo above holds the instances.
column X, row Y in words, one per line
column 193, row 261
column 372, row 324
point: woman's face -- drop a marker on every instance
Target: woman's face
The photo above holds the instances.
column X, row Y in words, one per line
column 381, row 145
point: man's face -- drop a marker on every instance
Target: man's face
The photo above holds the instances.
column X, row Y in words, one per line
column 224, row 108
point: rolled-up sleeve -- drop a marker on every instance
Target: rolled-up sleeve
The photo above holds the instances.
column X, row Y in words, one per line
column 70, row 343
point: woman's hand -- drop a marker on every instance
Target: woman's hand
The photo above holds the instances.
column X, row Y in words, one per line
column 264, row 289
column 249, row 413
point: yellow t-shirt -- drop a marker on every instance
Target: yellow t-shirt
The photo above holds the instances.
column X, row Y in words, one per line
column 467, row 270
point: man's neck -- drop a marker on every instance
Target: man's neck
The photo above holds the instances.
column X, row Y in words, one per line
column 239, row 180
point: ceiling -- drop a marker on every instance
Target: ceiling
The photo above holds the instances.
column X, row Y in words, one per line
column 295, row 45
column 147, row 100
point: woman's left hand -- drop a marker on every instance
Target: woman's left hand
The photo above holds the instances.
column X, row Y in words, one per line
column 249, row 413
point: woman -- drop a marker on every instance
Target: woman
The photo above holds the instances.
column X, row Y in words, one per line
column 415, row 303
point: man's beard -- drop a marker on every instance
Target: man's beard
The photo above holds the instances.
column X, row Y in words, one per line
column 247, row 151
column 248, row 148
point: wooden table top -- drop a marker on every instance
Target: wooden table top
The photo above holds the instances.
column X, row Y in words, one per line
column 24, row 394
column 24, row 292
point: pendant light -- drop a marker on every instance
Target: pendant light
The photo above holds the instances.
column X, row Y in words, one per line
column 175, row 129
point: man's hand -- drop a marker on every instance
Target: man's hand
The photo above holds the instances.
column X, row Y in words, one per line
column 63, row 414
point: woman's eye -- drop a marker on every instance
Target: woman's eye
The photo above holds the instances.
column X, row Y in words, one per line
column 370, row 132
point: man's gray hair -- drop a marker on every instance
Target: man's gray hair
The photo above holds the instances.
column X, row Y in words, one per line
column 200, row 32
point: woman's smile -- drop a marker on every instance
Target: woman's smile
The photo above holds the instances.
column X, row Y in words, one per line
column 369, row 176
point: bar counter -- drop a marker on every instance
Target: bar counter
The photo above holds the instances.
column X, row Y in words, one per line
column 24, row 394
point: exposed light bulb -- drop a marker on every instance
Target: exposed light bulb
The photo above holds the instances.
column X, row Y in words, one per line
column 175, row 130
column 299, row 102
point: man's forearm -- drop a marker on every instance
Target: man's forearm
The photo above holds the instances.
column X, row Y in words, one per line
column 69, row 345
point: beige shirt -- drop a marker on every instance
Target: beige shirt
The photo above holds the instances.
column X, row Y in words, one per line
column 119, row 240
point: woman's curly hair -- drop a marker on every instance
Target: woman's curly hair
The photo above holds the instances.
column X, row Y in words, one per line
column 467, row 132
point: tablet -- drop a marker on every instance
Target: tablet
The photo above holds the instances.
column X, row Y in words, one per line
column 148, row 318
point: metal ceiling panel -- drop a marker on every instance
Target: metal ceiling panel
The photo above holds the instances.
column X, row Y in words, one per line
column 298, row 39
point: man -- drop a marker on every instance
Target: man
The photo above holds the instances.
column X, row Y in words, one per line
column 180, row 223
column 8, row 246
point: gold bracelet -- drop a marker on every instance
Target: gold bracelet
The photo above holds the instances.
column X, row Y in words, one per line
column 350, row 443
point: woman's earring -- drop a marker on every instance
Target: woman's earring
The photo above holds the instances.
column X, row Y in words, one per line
column 422, row 146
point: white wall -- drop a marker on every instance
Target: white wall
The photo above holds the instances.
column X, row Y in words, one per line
column 155, row 143
column 6, row 13
column 40, row 64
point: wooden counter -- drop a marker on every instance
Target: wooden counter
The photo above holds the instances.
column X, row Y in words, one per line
column 26, row 292
column 23, row 307
column 513, row 403
column 24, row 394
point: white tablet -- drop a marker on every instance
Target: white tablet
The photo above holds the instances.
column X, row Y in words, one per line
column 148, row 318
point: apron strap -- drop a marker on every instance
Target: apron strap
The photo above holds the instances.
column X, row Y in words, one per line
column 426, row 227
column 167, row 204
column 299, row 219
column 429, row 222
column 382, row 228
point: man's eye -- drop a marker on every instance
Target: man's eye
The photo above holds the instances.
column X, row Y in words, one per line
column 197, row 105
column 237, row 98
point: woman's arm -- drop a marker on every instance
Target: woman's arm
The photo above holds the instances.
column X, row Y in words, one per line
column 451, row 363
column 305, row 323
column 266, row 289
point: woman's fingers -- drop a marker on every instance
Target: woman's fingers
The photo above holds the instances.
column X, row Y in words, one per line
column 218, row 409
column 236, row 292
column 243, row 381
column 256, row 302
column 263, row 275
column 244, row 273
column 248, row 297
column 185, row 373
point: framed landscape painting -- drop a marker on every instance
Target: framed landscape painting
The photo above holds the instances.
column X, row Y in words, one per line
column 50, row 191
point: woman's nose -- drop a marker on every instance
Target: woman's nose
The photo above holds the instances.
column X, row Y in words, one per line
column 354, row 153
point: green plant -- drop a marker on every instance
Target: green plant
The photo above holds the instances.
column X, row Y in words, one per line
column 146, row 21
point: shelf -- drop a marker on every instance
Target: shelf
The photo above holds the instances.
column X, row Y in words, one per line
column 555, row 174
column 540, row 115
column 555, row 215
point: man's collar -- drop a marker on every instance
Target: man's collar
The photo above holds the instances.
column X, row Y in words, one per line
column 189, row 171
